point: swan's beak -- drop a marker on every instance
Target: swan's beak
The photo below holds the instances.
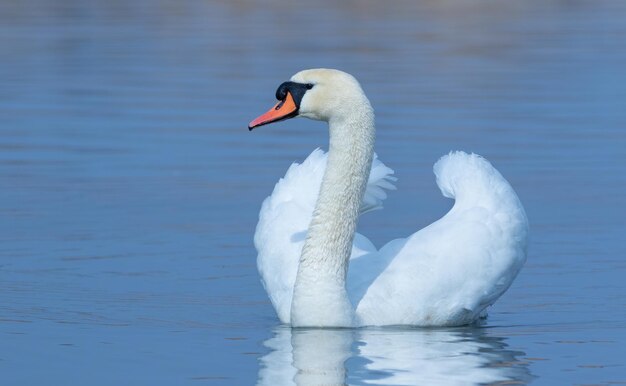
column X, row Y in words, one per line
column 284, row 109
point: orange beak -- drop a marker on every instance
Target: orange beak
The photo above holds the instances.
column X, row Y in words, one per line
column 283, row 110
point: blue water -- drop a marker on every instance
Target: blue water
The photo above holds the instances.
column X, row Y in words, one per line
column 130, row 185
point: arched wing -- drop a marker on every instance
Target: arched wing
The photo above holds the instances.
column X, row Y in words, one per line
column 284, row 219
column 450, row 271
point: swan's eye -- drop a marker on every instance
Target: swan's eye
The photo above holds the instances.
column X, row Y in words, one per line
column 309, row 86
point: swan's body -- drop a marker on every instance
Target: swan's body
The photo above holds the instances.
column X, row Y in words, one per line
column 318, row 273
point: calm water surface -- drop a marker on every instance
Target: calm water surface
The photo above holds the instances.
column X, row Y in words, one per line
column 130, row 186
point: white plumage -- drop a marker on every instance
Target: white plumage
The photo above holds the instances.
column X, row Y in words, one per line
column 445, row 274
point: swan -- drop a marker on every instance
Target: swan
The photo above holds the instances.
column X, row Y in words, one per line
column 319, row 272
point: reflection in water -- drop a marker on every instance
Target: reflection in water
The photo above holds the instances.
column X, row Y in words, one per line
column 389, row 356
column 307, row 357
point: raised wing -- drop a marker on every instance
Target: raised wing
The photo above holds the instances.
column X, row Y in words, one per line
column 284, row 219
column 450, row 271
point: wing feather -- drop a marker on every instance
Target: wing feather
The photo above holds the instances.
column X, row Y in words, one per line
column 284, row 219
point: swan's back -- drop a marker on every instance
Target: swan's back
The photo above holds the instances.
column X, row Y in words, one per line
column 444, row 274
column 450, row 271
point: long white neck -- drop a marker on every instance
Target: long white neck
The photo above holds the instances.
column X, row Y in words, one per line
column 320, row 298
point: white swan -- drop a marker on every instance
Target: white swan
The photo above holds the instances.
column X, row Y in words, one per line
column 446, row 274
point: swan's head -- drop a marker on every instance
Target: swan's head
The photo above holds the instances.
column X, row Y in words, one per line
column 321, row 94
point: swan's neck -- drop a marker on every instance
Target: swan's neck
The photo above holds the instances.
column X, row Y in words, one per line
column 320, row 297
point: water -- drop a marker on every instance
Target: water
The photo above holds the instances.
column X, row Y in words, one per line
column 130, row 186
